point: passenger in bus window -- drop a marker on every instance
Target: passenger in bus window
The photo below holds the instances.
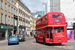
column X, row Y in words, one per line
column 56, row 30
column 51, row 31
column 61, row 29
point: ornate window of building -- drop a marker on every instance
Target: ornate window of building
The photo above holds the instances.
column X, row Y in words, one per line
column 5, row 6
column 14, row 11
column 11, row 9
column 7, row 0
column 5, row 19
column 10, row 1
column 8, row 8
column 9, row 20
column 1, row 4
column 1, row 18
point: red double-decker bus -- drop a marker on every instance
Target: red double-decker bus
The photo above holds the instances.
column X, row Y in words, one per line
column 51, row 28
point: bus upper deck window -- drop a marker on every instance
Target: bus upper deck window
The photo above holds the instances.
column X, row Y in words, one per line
column 45, row 17
column 56, row 16
column 41, row 20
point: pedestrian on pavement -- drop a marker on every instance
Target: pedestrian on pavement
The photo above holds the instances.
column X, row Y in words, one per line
column 31, row 33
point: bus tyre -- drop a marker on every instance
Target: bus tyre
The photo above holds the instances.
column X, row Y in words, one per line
column 44, row 41
column 36, row 40
column 18, row 43
column 8, row 44
column 59, row 44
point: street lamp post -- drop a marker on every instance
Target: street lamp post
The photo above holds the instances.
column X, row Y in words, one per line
column 45, row 7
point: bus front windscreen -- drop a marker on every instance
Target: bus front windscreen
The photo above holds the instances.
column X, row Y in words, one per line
column 58, row 29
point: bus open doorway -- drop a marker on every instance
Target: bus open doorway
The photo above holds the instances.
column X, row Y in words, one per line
column 50, row 34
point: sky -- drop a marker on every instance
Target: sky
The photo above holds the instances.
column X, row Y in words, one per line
column 35, row 5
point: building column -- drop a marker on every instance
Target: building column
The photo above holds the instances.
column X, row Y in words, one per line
column 6, row 35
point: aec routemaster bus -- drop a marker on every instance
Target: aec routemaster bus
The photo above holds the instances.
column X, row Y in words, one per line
column 51, row 28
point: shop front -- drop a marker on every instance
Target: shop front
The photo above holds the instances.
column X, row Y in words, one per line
column 22, row 29
column 5, row 32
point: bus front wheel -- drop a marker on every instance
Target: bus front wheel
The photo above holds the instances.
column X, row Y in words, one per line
column 36, row 40
column 59, row 43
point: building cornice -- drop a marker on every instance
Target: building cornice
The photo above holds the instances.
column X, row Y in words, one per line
column 24, row 6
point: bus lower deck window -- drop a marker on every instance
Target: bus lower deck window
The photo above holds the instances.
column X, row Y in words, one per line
column 58, row 29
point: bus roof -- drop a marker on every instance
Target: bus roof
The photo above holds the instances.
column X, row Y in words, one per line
column 46, row 14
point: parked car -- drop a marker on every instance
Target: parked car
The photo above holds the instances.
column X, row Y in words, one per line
column 13, row 39
column 21, row 37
